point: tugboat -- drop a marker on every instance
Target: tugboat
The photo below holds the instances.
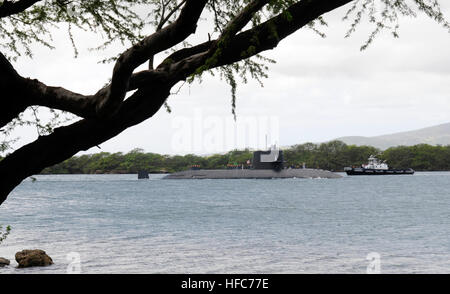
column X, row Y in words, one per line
column 376, row 167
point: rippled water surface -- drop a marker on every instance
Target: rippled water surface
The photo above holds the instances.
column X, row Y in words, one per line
column 117, row 224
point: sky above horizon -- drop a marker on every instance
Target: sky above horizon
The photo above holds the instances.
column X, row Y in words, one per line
column 318, row 90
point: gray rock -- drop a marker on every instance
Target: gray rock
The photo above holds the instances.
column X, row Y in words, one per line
column 4, row 262
column 32, row 258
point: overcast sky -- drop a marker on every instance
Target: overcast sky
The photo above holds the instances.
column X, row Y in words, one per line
column 318, row 90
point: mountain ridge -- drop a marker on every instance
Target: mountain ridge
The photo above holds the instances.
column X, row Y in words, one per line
column 434, row 135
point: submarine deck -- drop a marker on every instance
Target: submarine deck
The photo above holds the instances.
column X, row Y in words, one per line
column 253, row 174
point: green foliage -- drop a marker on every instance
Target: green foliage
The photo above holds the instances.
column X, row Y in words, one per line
column 4, row 234
column 385, row 15
column 137, row 160
column 114, row 20
column 334, row 156
column 420, row 157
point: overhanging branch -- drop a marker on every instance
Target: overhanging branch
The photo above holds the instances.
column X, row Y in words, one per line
column 111, row 97
column 9, row 8
column 66, row 141
column 265, row 36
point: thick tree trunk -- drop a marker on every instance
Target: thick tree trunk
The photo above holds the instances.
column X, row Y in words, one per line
column 9, row 110
column 11, row 99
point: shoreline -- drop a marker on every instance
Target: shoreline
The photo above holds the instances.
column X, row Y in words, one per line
column 167, row 173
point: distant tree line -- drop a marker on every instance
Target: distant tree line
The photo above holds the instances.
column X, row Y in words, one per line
column 334, row 156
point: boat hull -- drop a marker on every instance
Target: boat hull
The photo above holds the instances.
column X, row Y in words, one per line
column 375, row 172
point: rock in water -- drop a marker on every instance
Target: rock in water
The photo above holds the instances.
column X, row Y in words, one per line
column 4, row 262
column 31, row 258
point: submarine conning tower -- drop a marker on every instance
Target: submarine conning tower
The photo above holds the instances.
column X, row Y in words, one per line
column 272, row 159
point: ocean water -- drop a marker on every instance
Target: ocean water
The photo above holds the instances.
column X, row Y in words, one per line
column 117, row 224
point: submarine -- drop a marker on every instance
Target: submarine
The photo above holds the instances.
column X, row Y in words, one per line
column 265, row 165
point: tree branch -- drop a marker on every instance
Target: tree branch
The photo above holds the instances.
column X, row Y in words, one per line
column 265, row 36
column 243, row 18
column 18, row 93
column 31, row 92
column 107, row 101
column 162, row 22
column 111, row 97
column 9, row 8
column 165, row 19
column 10, row 87
column 65, row 142
column 183, row 62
